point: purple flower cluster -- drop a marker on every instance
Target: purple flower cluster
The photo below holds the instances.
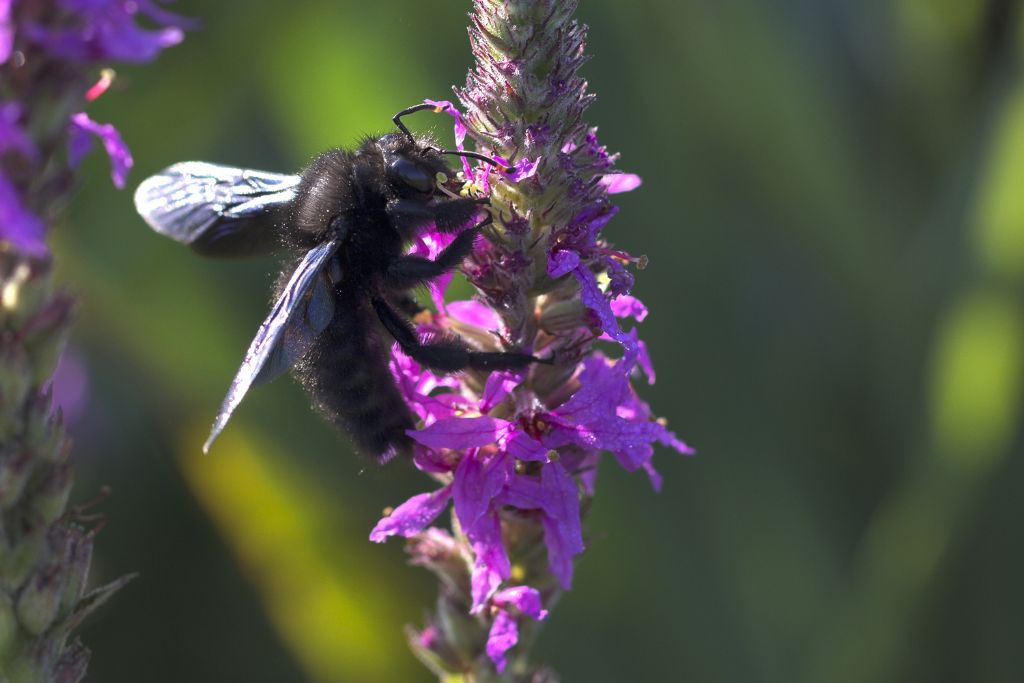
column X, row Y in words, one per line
column 76, row 35
column 510, row 447
column 517, row 452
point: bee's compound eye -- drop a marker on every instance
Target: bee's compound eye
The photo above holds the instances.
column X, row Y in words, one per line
column 411, row 174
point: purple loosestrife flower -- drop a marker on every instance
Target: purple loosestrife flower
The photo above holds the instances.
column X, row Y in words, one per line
column 102, row 31
column 516, row 453
column 48, row 53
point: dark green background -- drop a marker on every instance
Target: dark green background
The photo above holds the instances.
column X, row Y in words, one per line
column 835, row 283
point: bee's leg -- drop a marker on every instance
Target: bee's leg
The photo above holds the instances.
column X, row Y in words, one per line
column 406, row 272
column 448, row 354
column 448, row 216
column 407, row 304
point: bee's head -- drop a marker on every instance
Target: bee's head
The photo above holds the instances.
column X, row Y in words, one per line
column 412, row 164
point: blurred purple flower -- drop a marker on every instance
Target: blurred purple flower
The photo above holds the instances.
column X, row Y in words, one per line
column 12, row 137
column 70, row 385
column 82, row 131
column 6, row 30
column 19, row 226
column 106, row 30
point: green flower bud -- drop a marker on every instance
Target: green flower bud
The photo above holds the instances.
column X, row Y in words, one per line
column 50, row 499
column 39, row 601
column 15, row 469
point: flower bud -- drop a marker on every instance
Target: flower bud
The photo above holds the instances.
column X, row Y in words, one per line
column 436, row 550
column 430, row 648
column 18, row 561
column 50, row 499
column 458, row 627
column 44, row 432
column 563, row 316
column 77, row 555
column 40, row 601
column 47, row 337
column 15, row 384
column 15, row 469
column 72, row 664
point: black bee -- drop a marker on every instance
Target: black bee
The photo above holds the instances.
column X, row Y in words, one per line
column 352, row 214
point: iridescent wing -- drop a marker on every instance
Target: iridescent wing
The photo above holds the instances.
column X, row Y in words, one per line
column 298, row 315
column 217, row 210
column 299, row 335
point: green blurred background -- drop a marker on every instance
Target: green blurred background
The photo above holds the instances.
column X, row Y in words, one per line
column 834, row 213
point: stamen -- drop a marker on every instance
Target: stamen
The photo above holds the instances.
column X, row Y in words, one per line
column 107, row 77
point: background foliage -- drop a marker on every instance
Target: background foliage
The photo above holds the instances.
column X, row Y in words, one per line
column 835, row 224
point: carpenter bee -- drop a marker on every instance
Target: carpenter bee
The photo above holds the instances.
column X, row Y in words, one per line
column 350, row 214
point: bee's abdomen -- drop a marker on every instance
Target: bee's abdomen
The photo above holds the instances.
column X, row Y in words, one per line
column 347, row 375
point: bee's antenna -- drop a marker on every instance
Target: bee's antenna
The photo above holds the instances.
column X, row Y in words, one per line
column 477, row 156
column 397, row 118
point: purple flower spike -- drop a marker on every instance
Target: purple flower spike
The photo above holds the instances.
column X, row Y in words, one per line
column 48, row 51
column 517, row 451
column 82, row 128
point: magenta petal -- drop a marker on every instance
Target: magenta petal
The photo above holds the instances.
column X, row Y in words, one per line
column 654, row 476
column 643, row 359
column 477, row 481
column 503, row 637
column 120, row 157
column 474, row 313
column 593, row 298
column 460, row 129
column 523, row 598
column 524, row 493
column 626, row 306
column 562, row 530
column 492, row 565
column 412, row 516
column 614, row 183
column 559, row 555
column 522, row 169
column 522, row 446
column 462, row 432
column 562, row 262
column 498, row 386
